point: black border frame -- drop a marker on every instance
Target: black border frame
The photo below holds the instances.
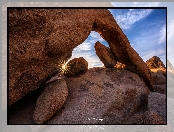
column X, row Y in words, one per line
column 8, row 8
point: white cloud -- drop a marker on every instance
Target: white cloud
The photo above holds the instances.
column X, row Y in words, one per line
column 90, row 57
column 86, row 50
column 84, row 46
column 95, row 37
column 127, row 19
column 162, row 35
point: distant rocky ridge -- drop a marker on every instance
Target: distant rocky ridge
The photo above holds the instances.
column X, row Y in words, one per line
column 158, row 74
column 154, row 63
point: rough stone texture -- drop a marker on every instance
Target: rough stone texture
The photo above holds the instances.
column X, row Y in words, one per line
column 157, row 103
column 154, row 63
column 76, row 66
column 137, row 119
column 169, row 65
column 158, row 81
column 50, row 101
column 102, row 96
column 105, row 55
column 151, row 117
column 40, row 38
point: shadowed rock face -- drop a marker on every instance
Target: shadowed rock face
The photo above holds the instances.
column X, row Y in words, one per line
column 39, row 39
column 105, row 55
column 50, row 101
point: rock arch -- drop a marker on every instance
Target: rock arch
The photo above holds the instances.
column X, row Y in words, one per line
column 38, row 38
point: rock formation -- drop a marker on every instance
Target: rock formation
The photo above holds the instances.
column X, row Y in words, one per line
column 154, row 63
column 39, row 38
column 100, row 96
column 105, row 55
column 50, row 101
column 158, row 74
column 75, row 67
column 158, row 81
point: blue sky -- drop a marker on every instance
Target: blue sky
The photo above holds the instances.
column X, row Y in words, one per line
column 145, row 29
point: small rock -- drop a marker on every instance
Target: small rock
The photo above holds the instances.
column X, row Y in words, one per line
column 105, row 55
column 120, row 66
column 76, row 66
column 50, row 101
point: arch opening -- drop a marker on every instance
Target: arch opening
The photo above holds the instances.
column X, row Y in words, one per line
column 87, row 50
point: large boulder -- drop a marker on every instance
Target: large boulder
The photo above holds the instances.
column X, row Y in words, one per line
column 102, row 96
column 105, row 55
column 50, row 101
column 40, row 39
column 75, row 67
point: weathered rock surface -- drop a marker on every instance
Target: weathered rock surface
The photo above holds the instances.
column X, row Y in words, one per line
column 39, row 38
column 158, row 81
column 157, row 103
column 154, row 63
column 102, row 96
column 151, row 117
column 50, row 101
column 76, row 66
column 105, row 55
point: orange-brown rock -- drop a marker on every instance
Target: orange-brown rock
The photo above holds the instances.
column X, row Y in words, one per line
column 50, row 101
column 76, row 66
column 39, row 38
column 154, row 63
column 105, row 55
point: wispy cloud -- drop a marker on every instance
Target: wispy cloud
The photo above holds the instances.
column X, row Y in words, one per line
column 127, row 18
